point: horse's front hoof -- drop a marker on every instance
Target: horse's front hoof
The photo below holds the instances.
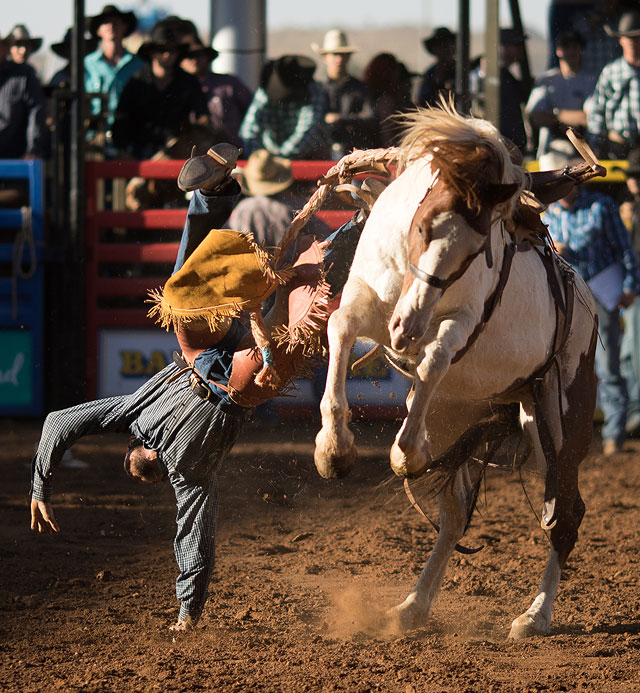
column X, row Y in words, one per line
column 407, row 466
column 528, row 625
column 330, row 462
column 402, row 619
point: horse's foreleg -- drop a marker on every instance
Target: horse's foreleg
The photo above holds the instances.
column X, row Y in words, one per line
column 454, row 505
column 335, row 452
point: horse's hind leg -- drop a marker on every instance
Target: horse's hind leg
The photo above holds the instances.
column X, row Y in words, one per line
column 335, row 452
column 455, row 504
column 578, row 423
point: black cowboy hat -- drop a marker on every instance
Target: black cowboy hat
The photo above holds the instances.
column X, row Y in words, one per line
column 184, row 28
column 63, row 49
column 20, row 36
column 287, row 77
column 564, row 38
column 628, row 25
column 108, row 13
column 195, row 46
column 163, row 37
column 439, row 35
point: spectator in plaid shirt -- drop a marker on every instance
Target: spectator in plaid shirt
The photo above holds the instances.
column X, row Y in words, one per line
column 588, row 232
column 286, row 116
column 613, row 124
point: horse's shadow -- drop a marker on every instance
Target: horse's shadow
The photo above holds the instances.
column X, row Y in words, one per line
column 608, row 629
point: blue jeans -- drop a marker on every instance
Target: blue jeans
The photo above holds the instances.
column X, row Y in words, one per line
column 630, row 360
column 612, row 389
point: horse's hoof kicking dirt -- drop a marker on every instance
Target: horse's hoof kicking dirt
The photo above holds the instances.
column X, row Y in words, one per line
column 528, row 625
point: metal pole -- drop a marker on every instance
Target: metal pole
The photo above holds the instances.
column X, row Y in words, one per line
column 462, row 58
column 525, row 70
column 76, row 174
column 240, row 38
column 492, row 63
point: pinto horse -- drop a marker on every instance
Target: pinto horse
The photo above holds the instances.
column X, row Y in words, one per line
column 496, row 332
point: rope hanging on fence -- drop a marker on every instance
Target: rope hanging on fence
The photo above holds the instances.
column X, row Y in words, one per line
column 24, row 238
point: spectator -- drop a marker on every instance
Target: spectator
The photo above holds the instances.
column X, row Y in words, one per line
column 630, row 350
column 350, row 117
column 271, row 206
column 159, row 100
column 111, row 66
column 389, row 82
column 440, row 78
column 21, row 45
column 558, row 98
column 560, row 18
column 588, row 232
column 600, row 47
column 614, row 120
column 62, row 77
column 227, row 97
column 513, row 93
column 23, row 131
column 286, row 115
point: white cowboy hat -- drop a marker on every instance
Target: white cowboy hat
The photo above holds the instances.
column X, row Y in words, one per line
column 265, row 174
column 334, row 41
column 628, row 25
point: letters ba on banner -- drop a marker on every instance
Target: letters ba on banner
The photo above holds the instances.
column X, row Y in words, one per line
column 15, row 368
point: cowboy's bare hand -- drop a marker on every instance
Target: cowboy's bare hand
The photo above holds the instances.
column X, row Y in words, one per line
column 561, row 248
column 42, row 518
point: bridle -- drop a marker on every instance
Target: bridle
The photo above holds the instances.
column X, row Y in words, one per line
column 444, row 284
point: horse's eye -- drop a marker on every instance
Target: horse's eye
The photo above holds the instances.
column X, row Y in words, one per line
column 421, row 229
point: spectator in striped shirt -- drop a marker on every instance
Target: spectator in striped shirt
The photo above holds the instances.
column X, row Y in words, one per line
column 613, row 124
column 588, row 232
column 287, row 114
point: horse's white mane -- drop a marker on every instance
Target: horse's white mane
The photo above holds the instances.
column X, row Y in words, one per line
column 428, row 130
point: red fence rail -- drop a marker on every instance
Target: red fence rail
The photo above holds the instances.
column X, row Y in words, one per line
column 102, row 289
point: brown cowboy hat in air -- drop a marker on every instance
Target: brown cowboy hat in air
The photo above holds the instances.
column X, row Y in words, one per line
column 266, row 174
column 163, row 37
column 110, row 12
column 628, row 25
column 20, row 36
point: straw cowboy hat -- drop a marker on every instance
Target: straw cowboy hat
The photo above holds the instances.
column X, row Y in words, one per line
column 63, row 49
column 20, row 36
column 265, row 174
column 110, row 12
column 628, row 25
column 439, row 35
column 163, row 37
column 334, row 41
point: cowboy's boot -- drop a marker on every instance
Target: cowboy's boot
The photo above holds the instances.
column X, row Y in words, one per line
column 211, row 171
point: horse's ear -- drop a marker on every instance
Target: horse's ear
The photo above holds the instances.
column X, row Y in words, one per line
column 495, row 193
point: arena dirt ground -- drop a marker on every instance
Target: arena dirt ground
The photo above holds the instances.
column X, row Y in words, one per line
column 305, row 566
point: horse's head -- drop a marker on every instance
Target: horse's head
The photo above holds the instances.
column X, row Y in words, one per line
column 451, row 228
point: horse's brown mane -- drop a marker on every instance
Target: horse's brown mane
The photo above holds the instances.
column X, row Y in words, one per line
column 466, row 150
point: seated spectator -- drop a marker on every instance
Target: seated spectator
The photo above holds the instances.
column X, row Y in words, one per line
column 62, row 78
column 21, row 45
column 286, row 115
column 513, row 93
column 558, row 98
column 350, row 117
column 440, row 78
column 227, row 97
column 111, row 66
column 389, row 82
column 159, row 100
column 271, row 206
column 613, row 122
column 23, row 131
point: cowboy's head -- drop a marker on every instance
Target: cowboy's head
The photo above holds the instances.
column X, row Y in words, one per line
column 143, row 464
column 335, row 52
column 112, row 24
column 628, row 35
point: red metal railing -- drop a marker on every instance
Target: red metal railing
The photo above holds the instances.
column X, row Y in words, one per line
column 98, row 252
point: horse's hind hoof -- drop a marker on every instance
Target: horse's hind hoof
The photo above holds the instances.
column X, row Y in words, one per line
column 335, row 466
column 404, row 466
column 528, row 625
